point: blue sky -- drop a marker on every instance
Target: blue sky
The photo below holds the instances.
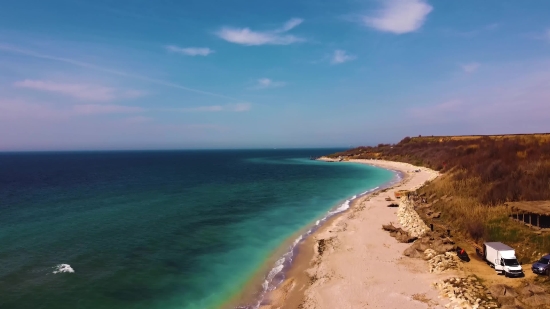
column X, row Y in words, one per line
column 165, row 74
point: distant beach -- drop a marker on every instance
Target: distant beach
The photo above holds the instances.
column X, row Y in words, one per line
column 350, row 262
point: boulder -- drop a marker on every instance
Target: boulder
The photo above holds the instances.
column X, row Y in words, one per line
column 398, row 233
column 531, row 289
column 499, row 290
column 537, row 300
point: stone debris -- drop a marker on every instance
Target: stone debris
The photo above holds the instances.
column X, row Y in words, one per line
column 465, row 293
column 529, row 295
column 436, row 241
column 398, row 233
column 438, row 263
column 410, row 220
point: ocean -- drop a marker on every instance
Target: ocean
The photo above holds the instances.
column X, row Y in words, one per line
column 159, row 229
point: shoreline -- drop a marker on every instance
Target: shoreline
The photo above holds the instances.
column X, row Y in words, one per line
column 294, row 251
column 330, row 271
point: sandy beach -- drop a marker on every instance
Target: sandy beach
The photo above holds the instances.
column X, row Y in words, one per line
column 350, row 262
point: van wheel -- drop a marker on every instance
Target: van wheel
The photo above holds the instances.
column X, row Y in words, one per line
column 547, row 272
column 505, row 274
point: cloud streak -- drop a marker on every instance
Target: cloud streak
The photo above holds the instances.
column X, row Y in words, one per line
column 511, row 98
column 16, row 109
column 87, row 92
column 94, row 109
column 246, row 36
column 19, row 51
column 264, row 83
column 470, row 67
column 399, row 16
column 190, row 51
column 239, row 107
column 341, row 56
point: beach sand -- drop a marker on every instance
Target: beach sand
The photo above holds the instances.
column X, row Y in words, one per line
column 350, row 262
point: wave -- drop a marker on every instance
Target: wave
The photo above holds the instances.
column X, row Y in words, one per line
column 276, row 274
column 63, row 268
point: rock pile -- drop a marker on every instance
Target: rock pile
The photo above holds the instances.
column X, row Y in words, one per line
column 438, row 242
column 410, row 220
column 398, row 233
column 440, row 262
column 528, row 296
column 535, row 296
column 467, row 293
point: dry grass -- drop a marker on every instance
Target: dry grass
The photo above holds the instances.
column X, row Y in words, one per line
column 480, row 173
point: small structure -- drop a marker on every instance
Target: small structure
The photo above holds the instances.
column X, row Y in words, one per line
column 535, row 214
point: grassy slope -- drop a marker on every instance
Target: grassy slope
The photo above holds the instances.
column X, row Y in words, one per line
column 480, row 173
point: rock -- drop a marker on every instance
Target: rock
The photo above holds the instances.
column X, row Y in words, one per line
column 534, row 295
column 531, row 289
column 537, row 300
column 410, row 220
column 461, row 292
column 398, row 233
column 498, row 290
column 431, row 240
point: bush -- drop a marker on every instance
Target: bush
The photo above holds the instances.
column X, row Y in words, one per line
column 476, row 229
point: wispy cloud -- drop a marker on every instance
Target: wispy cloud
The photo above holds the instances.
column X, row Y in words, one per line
column 513, row 97
column 470, row 67
column 473, row 32
column 88, row 92
column 439, row 111
column 93, row 109
column 18, row 109
column 239, row 107
column 19, row 51
column 190, row 51
column 246, row 36
column 399, row 16
column 137, row 120
column 341, row 56
column 289, row 25
column 264, row 83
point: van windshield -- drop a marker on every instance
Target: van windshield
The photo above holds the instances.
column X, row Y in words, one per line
column 511, row 262
column 543, row 261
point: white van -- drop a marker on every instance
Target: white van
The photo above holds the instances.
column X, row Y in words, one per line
column 502, row 258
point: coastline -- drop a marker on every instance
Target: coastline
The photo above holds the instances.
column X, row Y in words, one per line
column 349, row 262
column 294, row 252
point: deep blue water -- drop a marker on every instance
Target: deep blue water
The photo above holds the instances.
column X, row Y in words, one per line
column 173, row 229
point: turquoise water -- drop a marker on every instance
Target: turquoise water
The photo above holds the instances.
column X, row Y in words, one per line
column 167, row 230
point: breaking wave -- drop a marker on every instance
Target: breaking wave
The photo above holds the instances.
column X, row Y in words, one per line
column 63, row 268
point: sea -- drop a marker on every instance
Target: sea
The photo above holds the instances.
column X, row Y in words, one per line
column 161, row 229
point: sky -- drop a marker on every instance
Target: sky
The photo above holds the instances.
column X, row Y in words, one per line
column 167, row 74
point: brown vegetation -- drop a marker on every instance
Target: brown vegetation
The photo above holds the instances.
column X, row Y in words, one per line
column 480, row 173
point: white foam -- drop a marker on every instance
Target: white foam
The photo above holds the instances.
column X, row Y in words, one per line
column 339, row 209
column 279, row 265
column 297, row 241
column 367, row 192
column 268, row 284
column 63, row 268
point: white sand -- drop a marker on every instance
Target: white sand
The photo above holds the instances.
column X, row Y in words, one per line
column 363, row 266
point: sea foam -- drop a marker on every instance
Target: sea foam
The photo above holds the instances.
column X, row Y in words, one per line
column 63, row 268
column 272, row 280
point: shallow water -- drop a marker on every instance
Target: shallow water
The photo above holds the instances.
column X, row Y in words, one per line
column 174, row 229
